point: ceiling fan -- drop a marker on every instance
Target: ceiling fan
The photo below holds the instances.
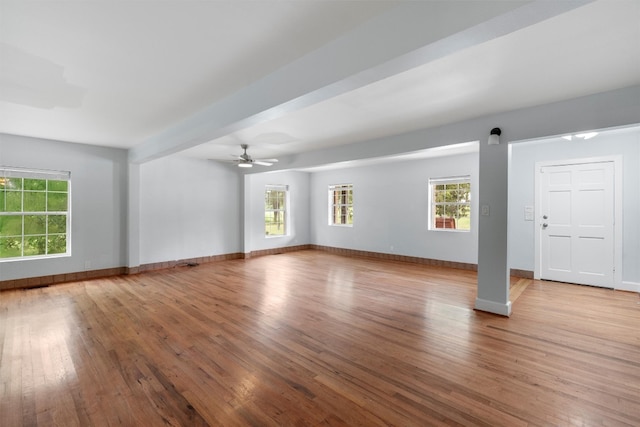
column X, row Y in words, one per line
column 246, row 161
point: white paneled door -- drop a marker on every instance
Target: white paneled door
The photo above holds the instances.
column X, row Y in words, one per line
column 577, row 223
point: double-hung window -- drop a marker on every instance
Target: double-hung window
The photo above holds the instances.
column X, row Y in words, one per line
column 450, row 203
column 275, row 210
column 341, row 204
column 34, row 213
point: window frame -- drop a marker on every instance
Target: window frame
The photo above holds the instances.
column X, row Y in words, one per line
column 284, row 210
column 8, row 174
column 459, row 179
column 333, row 188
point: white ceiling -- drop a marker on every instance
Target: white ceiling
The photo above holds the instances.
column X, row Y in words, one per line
column 116, row 73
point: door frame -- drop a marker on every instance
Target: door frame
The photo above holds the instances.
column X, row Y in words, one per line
column 617, row 214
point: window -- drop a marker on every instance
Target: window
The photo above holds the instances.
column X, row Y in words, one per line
column 34, row 213
column 275, row 210
column 341, row 204
column 450, row 200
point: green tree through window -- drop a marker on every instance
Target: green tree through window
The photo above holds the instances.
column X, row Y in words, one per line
column 275, row 210
column 450, row 203
column 341, row 204
column 34, row 213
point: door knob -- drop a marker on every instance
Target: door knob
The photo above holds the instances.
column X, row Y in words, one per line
column 545, row 225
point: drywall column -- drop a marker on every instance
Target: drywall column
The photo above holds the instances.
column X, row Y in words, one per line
column 133, row 218
column 246, row 209
column 493, row 254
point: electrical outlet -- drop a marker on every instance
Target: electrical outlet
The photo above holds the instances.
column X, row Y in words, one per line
column 484, row 210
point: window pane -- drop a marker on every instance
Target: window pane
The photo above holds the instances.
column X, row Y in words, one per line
column 58, row 185
column 57, row 202
column 10, row 247
column 35, row 201
column 13, row 201
column 11, row 225
column 13, row 183
column 57, row 244
column 35, row 224
column 35, row 245
column 464, row 220
column 57, row 224
column 274, row 226
column 450, row 195
column 464, row 192
column 35, row 184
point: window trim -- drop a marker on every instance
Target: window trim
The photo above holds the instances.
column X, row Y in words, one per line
column 458, row 179
column 332, row 205
column 49, row 175
column 285, row 211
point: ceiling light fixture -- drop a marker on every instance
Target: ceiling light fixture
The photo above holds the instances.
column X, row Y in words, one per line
column 245, row 165
column 494, row 136
column 586, row 135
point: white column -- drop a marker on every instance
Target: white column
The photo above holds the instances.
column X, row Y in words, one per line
column 133, row 216
column 246, row 208
column 493, row 254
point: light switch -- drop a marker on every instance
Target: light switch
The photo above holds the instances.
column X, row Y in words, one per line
column 528, row 213
column 484, row 210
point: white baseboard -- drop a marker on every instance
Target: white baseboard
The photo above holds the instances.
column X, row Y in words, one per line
column 493, row 307
column 629, row 286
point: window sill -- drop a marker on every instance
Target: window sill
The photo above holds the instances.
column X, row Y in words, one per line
column 34, row 258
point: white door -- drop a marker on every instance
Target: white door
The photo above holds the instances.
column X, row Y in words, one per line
column 577, row 223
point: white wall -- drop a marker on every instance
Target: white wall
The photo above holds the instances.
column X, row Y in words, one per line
column 521, row 192
column 391, row 209
column 98, row 203
column 298, row 226
column 189, row 208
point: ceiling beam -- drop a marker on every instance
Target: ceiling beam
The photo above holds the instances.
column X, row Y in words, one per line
column 404, row 37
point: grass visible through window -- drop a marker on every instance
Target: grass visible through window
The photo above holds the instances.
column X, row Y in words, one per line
column 33, row 216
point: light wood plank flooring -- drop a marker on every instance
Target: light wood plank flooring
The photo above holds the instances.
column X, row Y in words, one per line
column 315, row 339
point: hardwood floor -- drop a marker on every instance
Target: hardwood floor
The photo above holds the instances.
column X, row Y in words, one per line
column 315, row 339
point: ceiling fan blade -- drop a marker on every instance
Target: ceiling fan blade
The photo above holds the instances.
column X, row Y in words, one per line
column 245, row 159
